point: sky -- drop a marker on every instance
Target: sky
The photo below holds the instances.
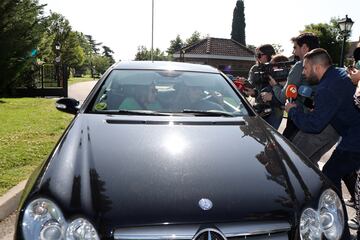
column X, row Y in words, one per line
column 123, row 25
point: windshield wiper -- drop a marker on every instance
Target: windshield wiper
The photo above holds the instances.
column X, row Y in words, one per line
column 135, row 112
column 208, row 113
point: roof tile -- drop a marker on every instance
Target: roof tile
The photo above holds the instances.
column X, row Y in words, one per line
column 219, row 46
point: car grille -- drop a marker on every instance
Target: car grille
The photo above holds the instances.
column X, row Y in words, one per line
column 228, row 231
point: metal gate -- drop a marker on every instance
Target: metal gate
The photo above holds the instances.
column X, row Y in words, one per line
column 47, row 80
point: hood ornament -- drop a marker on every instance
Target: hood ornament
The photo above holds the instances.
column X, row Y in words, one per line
column 210, row 234
column 205, row 204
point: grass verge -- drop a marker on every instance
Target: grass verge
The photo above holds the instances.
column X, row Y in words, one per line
column 86, row 78
column 30, row 127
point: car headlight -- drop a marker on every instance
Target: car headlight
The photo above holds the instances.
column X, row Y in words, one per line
column 81, row 229
column 44, row 220
column 327, row 220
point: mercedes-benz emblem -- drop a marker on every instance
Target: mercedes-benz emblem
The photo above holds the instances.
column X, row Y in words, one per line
column 209, row 234
column 205, row 204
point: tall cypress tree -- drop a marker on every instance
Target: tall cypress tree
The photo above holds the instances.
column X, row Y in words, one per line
column 238, row 24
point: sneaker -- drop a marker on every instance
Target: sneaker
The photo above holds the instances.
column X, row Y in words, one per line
column 353, row 224
column 349, row 202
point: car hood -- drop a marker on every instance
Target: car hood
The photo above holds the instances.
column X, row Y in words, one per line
column 122, row 171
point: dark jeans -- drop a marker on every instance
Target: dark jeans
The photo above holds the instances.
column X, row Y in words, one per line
column 314, row 146
column 350, row 183
column 290, row 130
column 341, row 164
column 357, row 201
column 274, row 120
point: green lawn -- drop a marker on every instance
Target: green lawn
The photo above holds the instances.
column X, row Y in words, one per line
column 30, row 127
column 86, row 78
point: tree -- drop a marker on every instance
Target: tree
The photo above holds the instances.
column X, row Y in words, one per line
column 238, row 23
column 178, row 43
column 93, row 60
column 100, row 63
column 251, row 47
column 93, row 51
column 143, row 54
column 195, row 37
column 278, row 48
column 175, row 45
column 73, row 54
column 58, row 26
column 107, row 52
column 93, row 44
column 329, row 37
column 21, row 28
column 85, row 45
column 59, row 33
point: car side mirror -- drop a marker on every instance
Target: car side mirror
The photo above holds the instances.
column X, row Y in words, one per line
column 262, row 109
column 68, row 105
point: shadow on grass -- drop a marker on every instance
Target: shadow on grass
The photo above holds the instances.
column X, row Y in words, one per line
column 1, row 101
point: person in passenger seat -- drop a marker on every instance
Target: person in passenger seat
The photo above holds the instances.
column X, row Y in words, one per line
column 141, row 98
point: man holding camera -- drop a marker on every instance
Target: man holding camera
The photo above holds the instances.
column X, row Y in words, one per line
column 312, row 145
column 334, row 105
column 260, row 85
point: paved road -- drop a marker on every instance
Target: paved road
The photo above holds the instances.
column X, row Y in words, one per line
column 7, row 227
column 79, row 91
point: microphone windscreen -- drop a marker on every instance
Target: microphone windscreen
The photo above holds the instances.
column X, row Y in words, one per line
column 291, row 91
column 305, row 91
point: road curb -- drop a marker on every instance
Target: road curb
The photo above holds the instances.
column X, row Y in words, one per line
column 10, row 201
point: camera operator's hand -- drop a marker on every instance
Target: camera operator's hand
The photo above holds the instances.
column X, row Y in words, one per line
column 266, row 96
column 349, row 69
column 249, row 92
column 272, row 81
column 241, row 79
column 289, row 105
column 354, row 74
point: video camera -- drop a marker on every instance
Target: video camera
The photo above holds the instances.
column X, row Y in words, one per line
column 279, row 71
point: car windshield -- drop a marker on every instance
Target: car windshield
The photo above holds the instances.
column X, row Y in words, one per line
column 167, row 93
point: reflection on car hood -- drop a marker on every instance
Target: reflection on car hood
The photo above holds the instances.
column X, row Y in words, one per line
column 119, row 172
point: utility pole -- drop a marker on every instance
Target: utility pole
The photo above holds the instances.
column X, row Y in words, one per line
column 152, row 32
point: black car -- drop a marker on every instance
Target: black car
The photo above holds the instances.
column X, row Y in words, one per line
column 172, row 151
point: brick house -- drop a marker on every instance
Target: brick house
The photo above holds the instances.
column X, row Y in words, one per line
column 226, row 55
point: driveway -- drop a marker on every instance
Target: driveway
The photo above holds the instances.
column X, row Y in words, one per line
column 80, row 90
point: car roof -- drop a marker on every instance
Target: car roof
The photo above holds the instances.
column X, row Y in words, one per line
column 163, row 65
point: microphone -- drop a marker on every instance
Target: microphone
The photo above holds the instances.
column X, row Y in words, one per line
column 291, row 92
column 306, row 92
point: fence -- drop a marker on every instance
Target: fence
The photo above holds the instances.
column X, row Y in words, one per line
column 46, row 80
